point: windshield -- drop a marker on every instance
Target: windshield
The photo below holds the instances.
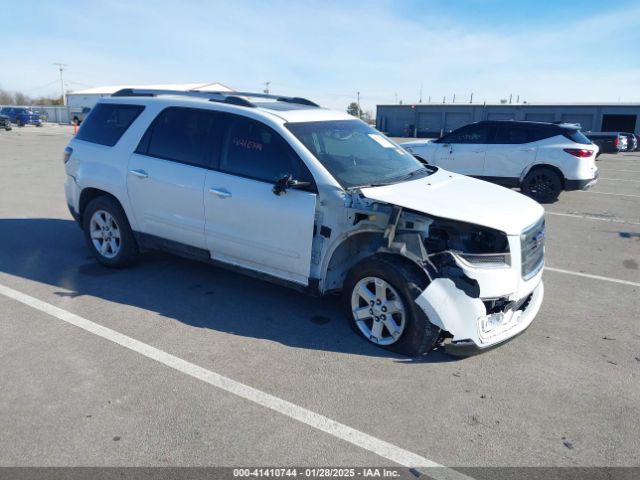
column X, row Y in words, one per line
column 356, row 154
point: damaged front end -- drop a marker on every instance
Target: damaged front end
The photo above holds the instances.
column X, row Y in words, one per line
column 484, row 286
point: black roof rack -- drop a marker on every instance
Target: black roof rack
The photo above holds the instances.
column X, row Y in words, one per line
column 234, row 98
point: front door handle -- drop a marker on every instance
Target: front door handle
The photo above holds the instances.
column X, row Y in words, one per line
column 527, row 149
column 220, row 192
column 139, row 173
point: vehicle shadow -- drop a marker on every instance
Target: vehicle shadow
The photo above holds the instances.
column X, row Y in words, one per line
column 52, row 251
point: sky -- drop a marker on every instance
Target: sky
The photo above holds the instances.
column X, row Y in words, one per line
column 539, row 50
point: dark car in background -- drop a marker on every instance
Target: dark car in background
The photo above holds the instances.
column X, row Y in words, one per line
column 22, row 116
column 5, row 122
column 609, row 142
column 632, row 142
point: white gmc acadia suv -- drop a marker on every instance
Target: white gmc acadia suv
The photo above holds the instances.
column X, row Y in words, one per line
column 542, row 159
column 315, row 199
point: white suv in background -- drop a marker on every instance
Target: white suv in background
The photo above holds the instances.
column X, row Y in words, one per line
column 542, row 159
column 315, row 199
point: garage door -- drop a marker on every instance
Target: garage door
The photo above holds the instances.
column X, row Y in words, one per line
column 429, row 124
column 540, row 117
column 501, row 116
column 455, row 120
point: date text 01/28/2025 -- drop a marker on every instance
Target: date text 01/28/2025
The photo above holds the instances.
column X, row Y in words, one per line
column 362, row 472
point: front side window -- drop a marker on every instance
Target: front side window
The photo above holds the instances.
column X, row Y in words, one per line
column 355, row 154
column 252, row 149
column 473, row 134
column 185, row 135
column 107, row 122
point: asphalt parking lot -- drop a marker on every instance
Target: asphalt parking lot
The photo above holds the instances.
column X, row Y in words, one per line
column 565, row 393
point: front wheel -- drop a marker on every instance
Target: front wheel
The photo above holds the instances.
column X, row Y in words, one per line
column 543, row 185
column 108, row 234
column 379, row 298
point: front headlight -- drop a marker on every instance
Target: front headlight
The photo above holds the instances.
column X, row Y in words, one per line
column 473, row 244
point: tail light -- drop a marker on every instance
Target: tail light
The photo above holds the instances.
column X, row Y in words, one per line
column 616, row 141
column 67, row 154
column 579, row 152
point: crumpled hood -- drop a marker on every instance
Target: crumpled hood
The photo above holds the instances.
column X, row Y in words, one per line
column 457, row 197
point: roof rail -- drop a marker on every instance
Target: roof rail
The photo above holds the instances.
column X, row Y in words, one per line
column 235, row 98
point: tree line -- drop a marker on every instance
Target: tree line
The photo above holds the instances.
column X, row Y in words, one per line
column 19, row 98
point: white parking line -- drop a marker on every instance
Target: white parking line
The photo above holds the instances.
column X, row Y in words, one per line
column 592, row 217
column 609, row 193
column 594, row 277
column 619, row 179
column 348, row 434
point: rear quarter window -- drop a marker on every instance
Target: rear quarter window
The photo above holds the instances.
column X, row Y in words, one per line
column 576, row 136
column 107, row 122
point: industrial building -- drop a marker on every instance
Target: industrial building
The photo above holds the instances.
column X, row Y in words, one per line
column 432, row 120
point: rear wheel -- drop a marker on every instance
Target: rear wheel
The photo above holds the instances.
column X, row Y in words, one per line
column 108, row 234
column 543, row 185
column 378, row 297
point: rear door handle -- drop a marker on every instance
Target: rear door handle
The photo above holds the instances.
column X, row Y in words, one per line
column 220, row 192
column 139, row 173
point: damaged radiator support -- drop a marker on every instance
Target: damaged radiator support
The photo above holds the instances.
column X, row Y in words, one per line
column 411, row 246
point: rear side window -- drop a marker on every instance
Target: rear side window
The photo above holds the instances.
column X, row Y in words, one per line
column 511, row 134
column 185, row 135
column 253, row 150
column 576, row 136
column 107, row 122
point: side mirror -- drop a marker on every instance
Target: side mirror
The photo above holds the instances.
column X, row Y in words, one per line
column 281, row 186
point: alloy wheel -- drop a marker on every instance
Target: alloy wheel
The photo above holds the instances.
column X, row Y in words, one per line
column 378, row 310
column 105, row 234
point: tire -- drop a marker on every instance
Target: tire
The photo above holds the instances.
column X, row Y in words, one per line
column 8, row 128
column 121, row 247
column 416, row 335
column 543, row 185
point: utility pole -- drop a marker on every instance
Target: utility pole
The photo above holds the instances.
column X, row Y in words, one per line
column 358, row 102
column 471, row 99
column 454, row 98
column 510, row 96
column 61, row 68
column 266, row 87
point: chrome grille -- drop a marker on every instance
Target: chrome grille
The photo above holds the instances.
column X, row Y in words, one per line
column 532, row 244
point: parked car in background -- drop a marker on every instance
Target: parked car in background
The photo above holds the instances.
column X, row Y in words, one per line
column 632, row 142
column 607, row 142
column 279, row 188
column 5, row 122
column 541, row 159
column 22, row 116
